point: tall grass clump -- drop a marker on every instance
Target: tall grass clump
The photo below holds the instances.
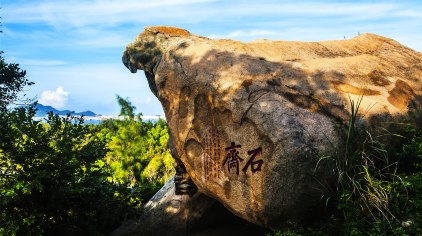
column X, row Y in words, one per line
column 364, row 172
column 378, row 187
column 378, row 178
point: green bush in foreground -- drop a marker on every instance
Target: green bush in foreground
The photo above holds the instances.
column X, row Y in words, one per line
column 53, row 178
column 61, row 177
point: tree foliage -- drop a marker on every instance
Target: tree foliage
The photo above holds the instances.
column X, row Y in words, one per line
column 127, row 110
column 62, row 176
column 12, row 81
column 53, row 178
column 138, row 152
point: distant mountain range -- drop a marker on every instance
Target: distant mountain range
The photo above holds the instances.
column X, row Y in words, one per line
column 43, row 110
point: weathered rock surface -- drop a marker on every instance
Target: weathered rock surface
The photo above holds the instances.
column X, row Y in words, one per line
column 249, row 120
column 168, row 213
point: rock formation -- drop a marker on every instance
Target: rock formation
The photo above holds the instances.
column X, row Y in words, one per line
column 169, row 213
column 249, row 120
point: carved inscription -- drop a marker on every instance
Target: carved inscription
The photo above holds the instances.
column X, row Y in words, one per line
column 212, row 154
column 233, row 159
column 255, row 165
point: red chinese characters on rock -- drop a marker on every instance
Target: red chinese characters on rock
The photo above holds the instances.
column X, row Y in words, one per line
column 212, row 154
column 233, row 159
column 255, row 165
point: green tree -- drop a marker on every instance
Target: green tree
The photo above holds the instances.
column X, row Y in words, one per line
column 126, row 108
column 160, row 167
column 138, row 150
column 127, row 146
column 64, row 177
column 12, row 81
column 53, row 179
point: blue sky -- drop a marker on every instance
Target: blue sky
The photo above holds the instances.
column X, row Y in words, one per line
column 72, row 49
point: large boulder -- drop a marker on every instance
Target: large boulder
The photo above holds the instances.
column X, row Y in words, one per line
column 249, row 120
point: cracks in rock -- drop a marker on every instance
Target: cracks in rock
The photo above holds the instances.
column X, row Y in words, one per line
column 243, row 119
column 274, row 82
column 252, row 100
column 299, row 98
column 296, row 90
column 154, row 70
column 253, row 97
column 188, row 136
column 182, row 180
column 333, row 111
column 176, row 59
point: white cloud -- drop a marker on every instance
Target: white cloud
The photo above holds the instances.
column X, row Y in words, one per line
column 56, row 99
column 41, row 62
column 245, row 34
column 96, row 24
column 101, row 41
column 409, row 13
column 95, row 87
column 80, row 13
column 140, row 103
